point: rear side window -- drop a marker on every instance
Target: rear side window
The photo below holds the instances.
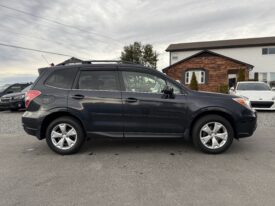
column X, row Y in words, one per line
column 62, row 78
column 14, row 88
column 98, row 80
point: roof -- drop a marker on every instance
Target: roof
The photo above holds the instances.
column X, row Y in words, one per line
column 233, row 43
column 249, row 66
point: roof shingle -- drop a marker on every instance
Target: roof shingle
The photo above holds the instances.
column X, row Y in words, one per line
column 233, row 43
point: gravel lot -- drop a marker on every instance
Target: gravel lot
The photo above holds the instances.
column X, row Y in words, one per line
column 117, row 172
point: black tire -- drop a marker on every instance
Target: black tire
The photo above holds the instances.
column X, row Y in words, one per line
column 208, row 119
column 79, row 132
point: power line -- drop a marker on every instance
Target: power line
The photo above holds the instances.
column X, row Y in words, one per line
column 43, row 39
column 49, row 26
column 29, row 36
column 57, row 22
column 35, row 50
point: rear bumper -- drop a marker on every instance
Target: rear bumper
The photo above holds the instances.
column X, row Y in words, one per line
column 31, row 123
column 246, row 126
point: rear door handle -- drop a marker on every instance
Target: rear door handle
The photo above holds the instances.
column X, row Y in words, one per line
column 131, row 100
column 78, row 96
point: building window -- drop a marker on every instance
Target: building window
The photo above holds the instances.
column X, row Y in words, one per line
column 263, row 77
column 200, row 75
column 266, row 51
column 272, row 76
column 175, row 57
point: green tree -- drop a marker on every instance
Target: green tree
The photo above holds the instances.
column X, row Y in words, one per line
column 194, row 82
column 241, row 75
column 140, row 54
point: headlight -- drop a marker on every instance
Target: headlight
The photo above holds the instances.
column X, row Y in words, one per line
column 243, row 101
column 19, row 97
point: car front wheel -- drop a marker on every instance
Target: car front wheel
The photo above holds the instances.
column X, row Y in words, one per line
column 212, row 134
column 65, row 136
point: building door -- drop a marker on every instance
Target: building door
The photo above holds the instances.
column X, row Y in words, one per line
column 232, row 80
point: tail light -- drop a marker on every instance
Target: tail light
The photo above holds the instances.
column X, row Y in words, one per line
column 31, row 95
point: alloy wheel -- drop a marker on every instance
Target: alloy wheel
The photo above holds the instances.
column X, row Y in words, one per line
column 213, row 135
column 64, row 136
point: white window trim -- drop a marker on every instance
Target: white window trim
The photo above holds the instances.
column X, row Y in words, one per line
column 198, row 73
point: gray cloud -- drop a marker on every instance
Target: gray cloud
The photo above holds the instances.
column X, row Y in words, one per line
column 104, row 27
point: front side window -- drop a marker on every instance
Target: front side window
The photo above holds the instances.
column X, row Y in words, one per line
column 4, row 87
column 62, row 78
column 142, row 82
column 98, row 80
column 176, row 89
column 200, row 76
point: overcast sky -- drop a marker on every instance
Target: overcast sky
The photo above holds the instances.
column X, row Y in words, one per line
column 98, row 29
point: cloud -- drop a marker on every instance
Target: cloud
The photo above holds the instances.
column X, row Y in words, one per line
column 99, row 29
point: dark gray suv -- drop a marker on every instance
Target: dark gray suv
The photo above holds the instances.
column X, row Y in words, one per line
column 121, row 100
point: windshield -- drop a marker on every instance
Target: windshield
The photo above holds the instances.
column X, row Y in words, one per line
column 26, row 89
column 3, row 87
column 253, row 86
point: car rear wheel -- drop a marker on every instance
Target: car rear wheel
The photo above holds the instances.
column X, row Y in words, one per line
column 212, row 134
column 65, row 136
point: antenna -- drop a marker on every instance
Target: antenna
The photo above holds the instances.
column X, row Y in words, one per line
column 45, row 59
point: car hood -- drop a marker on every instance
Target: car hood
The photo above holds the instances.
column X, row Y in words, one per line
column 257, row 95
column 13, row 94
column 214, row 95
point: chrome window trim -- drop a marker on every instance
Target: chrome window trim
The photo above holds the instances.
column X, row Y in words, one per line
column 56, row 87
column 150, row 93
column 95, row 90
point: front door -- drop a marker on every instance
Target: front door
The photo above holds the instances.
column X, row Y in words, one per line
column 97, row 99
column 232, row 80
column 146, row 111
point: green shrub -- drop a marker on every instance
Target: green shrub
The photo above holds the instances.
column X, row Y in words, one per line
column 194, row 83
column 223, row 88
column 241, row 75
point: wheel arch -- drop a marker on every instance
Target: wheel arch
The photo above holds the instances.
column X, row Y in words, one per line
column 213, row 111
column 48, row 119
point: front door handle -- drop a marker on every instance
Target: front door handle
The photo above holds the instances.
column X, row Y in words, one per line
column 131, row 100
column 78, row 96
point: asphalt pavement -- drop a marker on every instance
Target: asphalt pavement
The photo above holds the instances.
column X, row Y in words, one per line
column 137, row 172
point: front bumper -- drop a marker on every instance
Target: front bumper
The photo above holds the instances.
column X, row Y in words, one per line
column 263, row 104
column 12, row 105
column 246, row 125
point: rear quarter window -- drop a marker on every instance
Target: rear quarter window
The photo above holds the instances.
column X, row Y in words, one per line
column 62, row 78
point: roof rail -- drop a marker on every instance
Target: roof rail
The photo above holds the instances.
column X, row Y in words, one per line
column 95, row 61
column 107, row 61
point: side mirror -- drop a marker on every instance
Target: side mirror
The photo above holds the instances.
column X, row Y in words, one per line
column 231, row 88
column 273, row 88
column 168, row 92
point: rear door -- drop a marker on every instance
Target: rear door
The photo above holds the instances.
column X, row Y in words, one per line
column 147, row 113
column 96, row 98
